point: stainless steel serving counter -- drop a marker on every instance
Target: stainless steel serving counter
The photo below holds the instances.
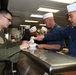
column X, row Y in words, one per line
column 53, row 63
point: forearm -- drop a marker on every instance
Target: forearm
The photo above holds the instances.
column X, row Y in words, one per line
column 9, row 44
column 52, row 47
column 5, row 53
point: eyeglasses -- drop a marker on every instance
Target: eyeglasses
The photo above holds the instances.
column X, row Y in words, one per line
column 7, row 18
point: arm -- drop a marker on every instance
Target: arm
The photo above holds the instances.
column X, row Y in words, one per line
column 60, row 35
column 6, row 53
column 10, row 44
column 55, row 36
column 50, row 46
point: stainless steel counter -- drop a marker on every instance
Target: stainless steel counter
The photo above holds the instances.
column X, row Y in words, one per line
column 52, row 62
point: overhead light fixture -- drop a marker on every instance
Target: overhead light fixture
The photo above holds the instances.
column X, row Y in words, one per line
column 42, row 24
column 37, row 16
column 65, row 1
column 31, row 21
column 24, row 25
column 48, row 10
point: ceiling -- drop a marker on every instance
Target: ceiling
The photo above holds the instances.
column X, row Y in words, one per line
column 22, row 9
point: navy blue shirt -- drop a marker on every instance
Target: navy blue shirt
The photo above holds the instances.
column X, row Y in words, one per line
column 55, row 29
column 70, row 33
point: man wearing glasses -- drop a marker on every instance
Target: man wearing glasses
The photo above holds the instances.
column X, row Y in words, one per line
column 6, row 52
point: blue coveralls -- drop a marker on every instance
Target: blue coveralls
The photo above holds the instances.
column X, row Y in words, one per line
column 55, row 29
column 70, row 33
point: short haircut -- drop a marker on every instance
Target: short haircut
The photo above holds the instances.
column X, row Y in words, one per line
column 3, row 11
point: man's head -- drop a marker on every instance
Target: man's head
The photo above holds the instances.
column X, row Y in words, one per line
column 43, row 30
column 72, row 13
column 5, row 18
column 49, row 20
column 33, row 31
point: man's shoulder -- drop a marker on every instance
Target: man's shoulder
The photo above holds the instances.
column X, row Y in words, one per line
column 68, row 27
column 58, row 27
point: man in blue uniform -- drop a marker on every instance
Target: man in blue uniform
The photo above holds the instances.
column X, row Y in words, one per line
column 55, row 45
column 69, row 32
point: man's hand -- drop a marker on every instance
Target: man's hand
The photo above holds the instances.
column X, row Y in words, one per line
column 24, row 46
column 40, row 37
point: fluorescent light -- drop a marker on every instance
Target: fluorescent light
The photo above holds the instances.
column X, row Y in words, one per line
column 31, row 21
column 47, row 10
column 35, row 15
column 64, row 1
column 24, row 25
column 42, row 24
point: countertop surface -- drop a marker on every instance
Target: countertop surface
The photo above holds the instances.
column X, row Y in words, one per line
column 53, row 61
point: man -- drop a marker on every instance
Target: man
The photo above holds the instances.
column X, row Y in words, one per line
column 8, row 53
column 33, row 31
column 69, row 32
column 26, row 35
column 55, row 45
